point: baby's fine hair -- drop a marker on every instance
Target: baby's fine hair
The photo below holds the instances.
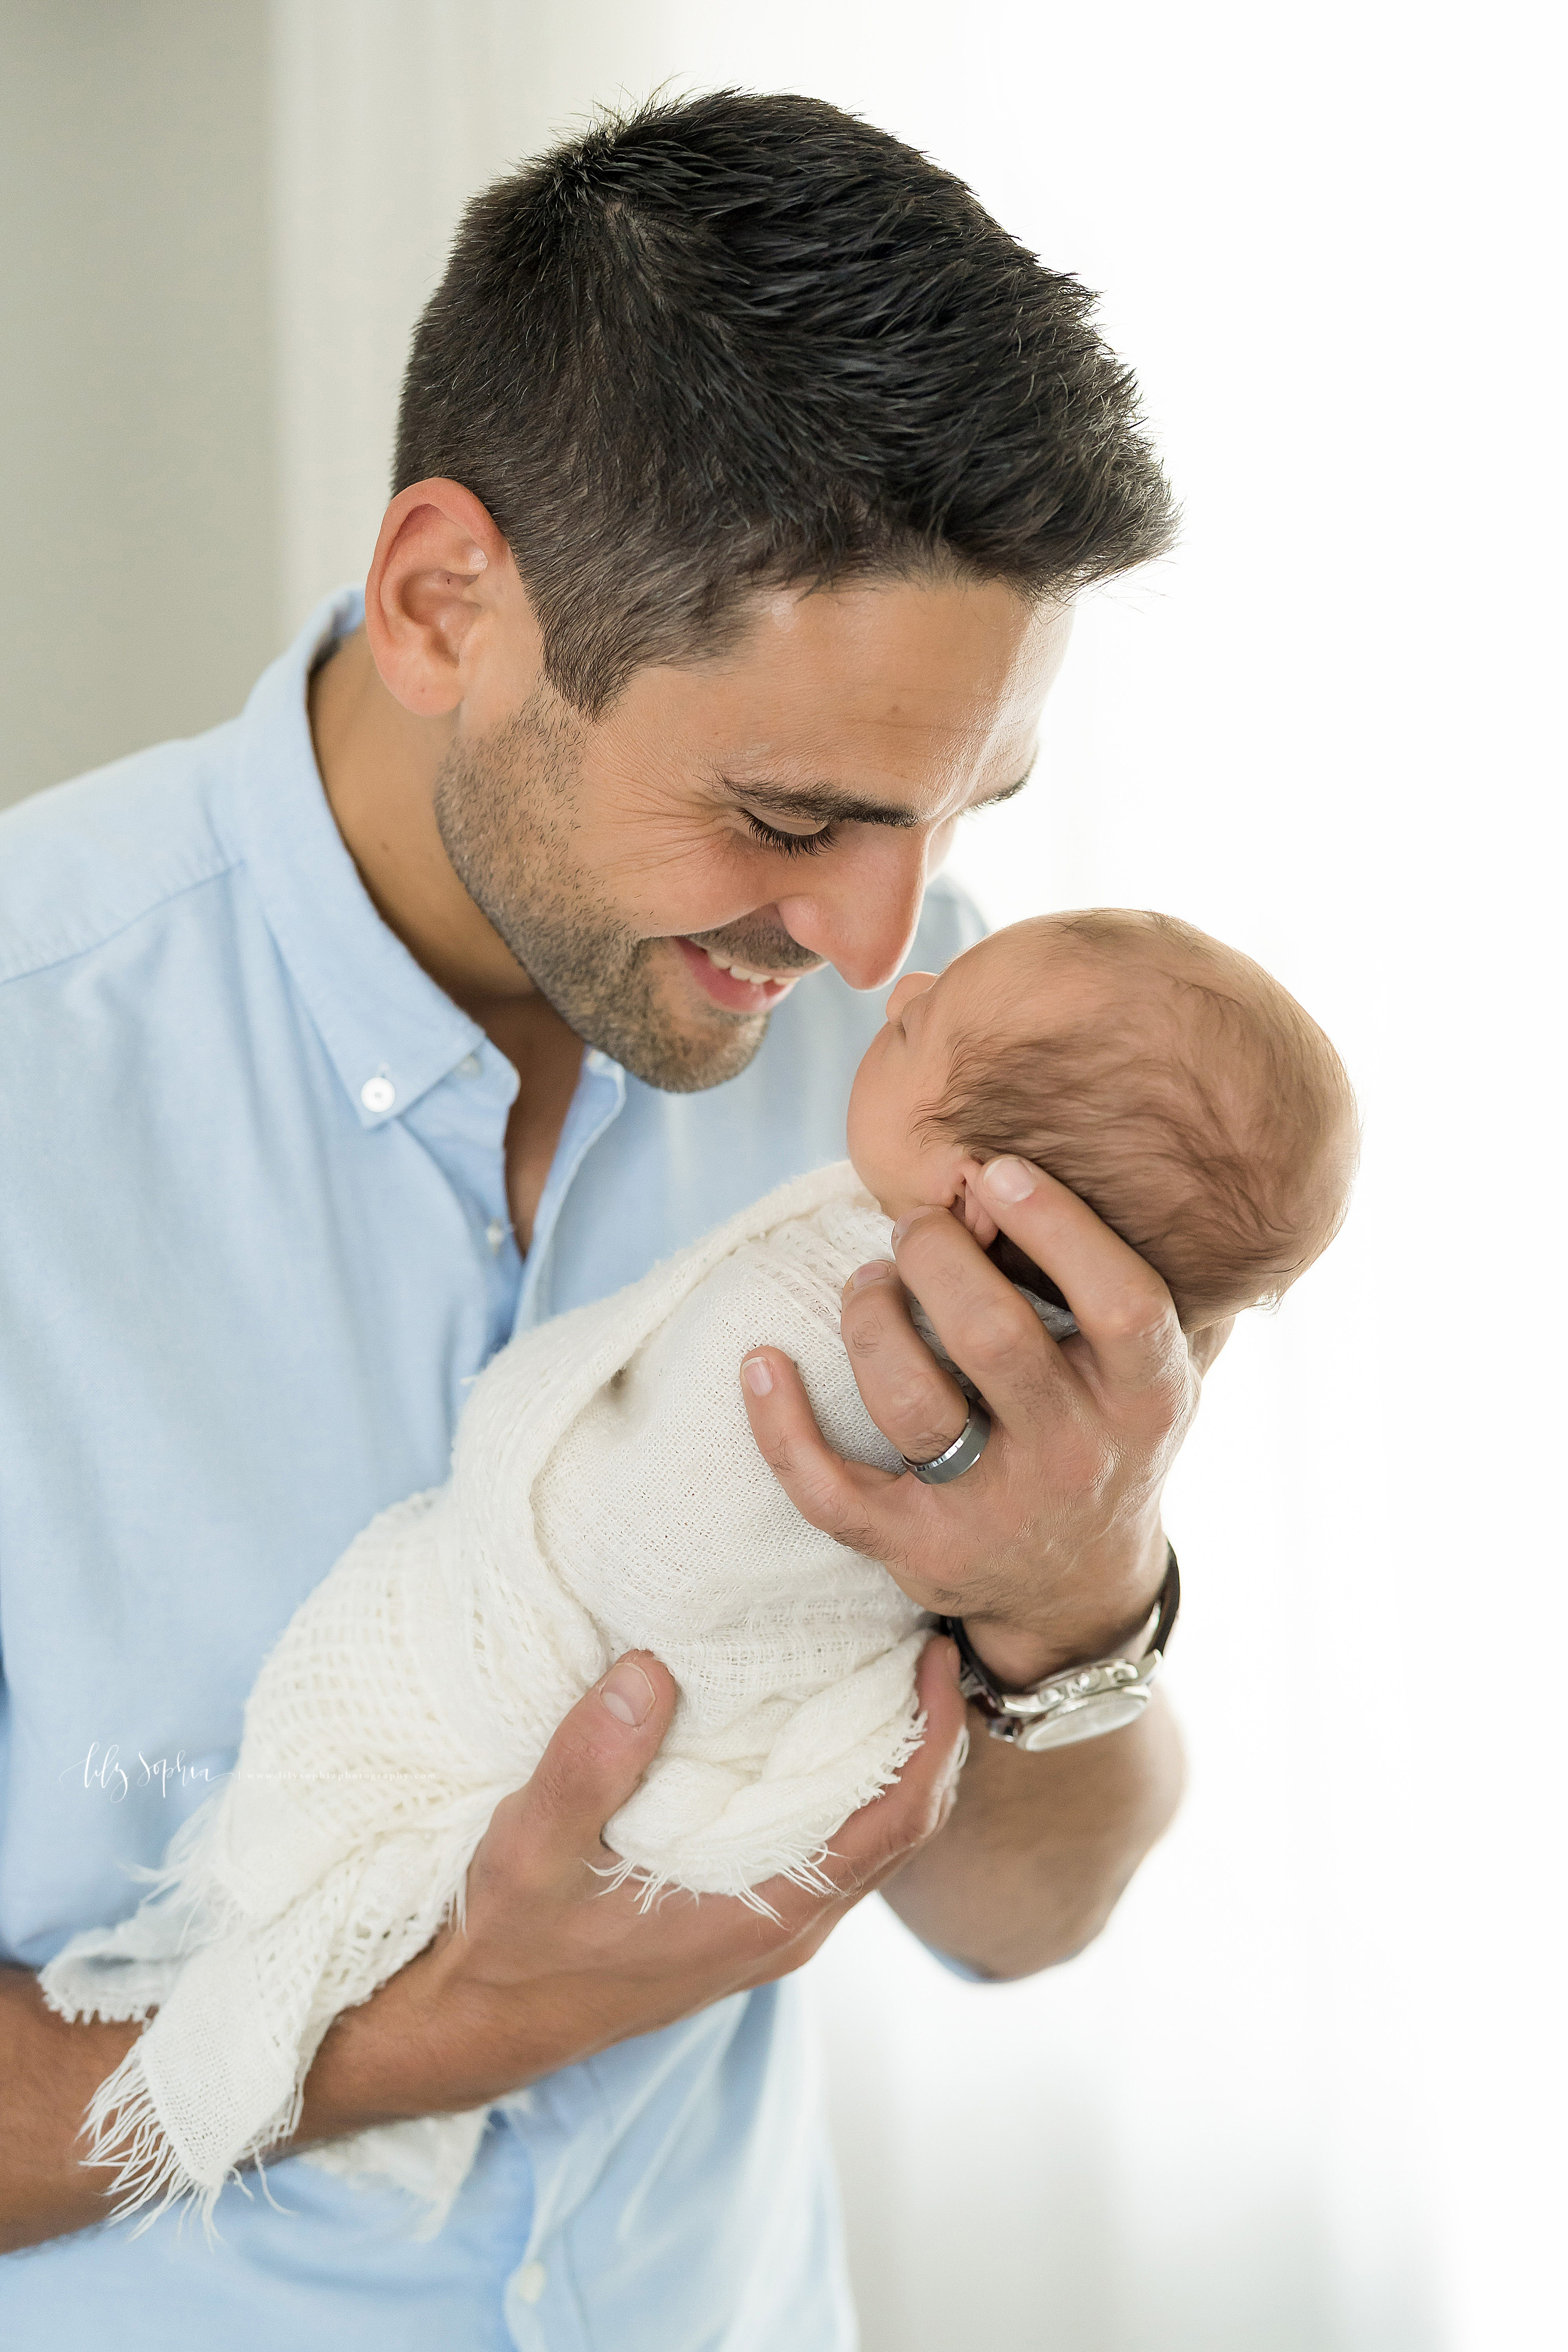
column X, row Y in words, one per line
column 1198, row 1110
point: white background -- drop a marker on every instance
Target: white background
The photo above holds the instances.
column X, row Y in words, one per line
column 1306, row 2095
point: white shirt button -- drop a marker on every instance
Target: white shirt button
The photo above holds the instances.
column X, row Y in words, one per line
column 529, row 2283
column 495, row 1234
column 378, row 1095
column 469, row 1067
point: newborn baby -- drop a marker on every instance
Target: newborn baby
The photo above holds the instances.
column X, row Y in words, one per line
column 605, row 1495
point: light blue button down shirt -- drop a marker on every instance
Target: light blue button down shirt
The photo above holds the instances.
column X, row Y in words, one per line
column 254, row 1240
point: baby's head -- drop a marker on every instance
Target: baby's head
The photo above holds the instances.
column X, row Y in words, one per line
column 1164, row 1078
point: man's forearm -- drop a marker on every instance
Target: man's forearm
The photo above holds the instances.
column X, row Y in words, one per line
column 380, row 2063
column 1040, row 1848
column 547, row 1968
column 49, row 2072
column 391, row 2058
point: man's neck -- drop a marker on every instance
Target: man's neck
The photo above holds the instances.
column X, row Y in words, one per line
column 378, row 764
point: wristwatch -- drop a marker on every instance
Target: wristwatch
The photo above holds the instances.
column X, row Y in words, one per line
column 1077, row 1702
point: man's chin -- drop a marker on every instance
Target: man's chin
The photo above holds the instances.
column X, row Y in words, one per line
column 660, row 1019
column 684, row 1043
column 694, row 1055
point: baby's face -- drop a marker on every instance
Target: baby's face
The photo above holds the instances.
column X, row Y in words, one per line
column 982, row 996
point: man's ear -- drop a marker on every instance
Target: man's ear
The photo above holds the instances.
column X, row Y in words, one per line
column 440, row 571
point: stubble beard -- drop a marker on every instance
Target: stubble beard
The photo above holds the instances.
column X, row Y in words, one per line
column 508, row 810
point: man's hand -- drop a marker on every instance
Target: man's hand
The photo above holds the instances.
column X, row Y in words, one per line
column 1050, row 1547
column 550, row 1966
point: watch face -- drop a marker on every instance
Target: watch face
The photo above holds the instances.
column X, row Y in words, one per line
column 1086, row 1718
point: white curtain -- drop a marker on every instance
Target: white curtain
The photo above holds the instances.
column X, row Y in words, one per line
column 1306, row 2094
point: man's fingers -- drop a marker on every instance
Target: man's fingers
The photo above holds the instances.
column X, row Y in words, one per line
column 1122, row 1309
column 848, row 1500
column 984, row 1323
column 882, row 1835
column 879, row 1839
column 912, row 1401
column 597, row 1756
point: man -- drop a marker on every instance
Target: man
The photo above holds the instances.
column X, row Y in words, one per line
column 746, row 473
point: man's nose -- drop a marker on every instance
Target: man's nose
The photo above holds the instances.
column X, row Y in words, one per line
column 863, row 905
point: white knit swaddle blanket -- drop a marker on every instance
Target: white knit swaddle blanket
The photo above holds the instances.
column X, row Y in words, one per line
column 605, row 1495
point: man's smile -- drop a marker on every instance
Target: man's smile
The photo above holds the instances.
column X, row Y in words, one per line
column 736, row 986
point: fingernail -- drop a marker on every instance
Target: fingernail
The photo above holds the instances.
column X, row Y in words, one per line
column 1008, row 1179
column 628, row 1693
column 758, row 1376
column 865, row 1274
column 902, row 1228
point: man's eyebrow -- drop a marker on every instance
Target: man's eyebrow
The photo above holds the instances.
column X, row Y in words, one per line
column 826, row 806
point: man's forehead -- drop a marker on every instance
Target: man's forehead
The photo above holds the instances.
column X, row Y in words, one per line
column 900, row 705
column 904, row 655
column 896, row 629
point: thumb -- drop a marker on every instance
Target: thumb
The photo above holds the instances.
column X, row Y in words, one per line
column 597, row 1756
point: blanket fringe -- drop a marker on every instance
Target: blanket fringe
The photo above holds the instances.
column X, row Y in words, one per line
column 125, row 2135
column 652, row 1886
column 79, row 2009
column 806, row 1872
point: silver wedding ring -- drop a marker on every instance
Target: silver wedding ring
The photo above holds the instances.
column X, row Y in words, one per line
column 963, row 1455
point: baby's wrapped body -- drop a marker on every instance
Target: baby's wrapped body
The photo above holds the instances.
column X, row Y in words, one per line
column 605, row 1495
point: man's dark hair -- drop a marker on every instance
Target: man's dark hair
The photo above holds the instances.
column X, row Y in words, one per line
column 737, row 342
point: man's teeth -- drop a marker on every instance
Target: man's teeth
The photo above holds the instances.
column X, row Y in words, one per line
column 739, row 971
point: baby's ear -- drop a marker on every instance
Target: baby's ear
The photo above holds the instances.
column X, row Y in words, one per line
column 975, row 1214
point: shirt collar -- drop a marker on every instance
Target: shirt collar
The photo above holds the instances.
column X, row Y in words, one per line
column 392, row 1034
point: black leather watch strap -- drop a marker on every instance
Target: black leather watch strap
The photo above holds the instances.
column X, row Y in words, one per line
column 981, row 1684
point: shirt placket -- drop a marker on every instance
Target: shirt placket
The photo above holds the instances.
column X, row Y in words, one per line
column 462, row 1124
column 598, row 1100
